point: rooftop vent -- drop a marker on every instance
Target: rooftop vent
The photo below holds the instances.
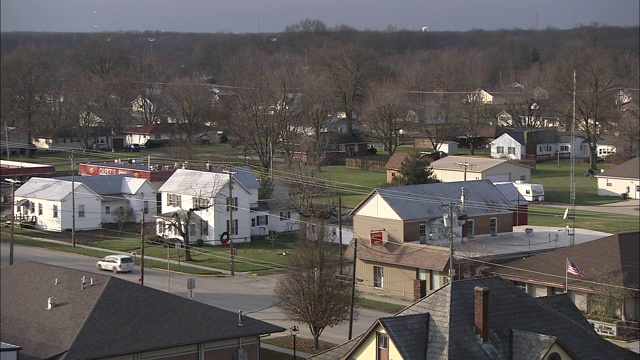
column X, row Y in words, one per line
column 51, row 303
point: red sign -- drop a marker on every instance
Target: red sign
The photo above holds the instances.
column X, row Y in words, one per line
column 376, row 238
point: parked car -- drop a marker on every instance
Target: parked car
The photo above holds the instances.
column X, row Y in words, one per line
column 116, row 263
column 132, row 148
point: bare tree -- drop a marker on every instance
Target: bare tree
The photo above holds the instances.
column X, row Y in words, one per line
column 101, row 55
column 310, row 290
column 597, row 81
column 262, row 106
column 608, row 300
column 25, row 80
column 123, row 215
column 385, row 115
column 150, row 79
column 346, row 69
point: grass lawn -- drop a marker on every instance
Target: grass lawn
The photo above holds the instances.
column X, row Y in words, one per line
column 612, row 223
column 557, row 181
column 352, row 184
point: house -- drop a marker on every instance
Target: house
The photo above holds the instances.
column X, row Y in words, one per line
column 461, row 168
column 622, row 179
column 536, row 144
column 504, row 118
column 94, row 137
column 53, row 312
column 121, row 191
column 394, row 164
column 163, row 134
column 403, row 244
column 274, row 216
column 448, row 147
column 606, row 146
column 207, row 197
column 484, row 318
column 480, row 95
column 46, row 204
column 612, row 259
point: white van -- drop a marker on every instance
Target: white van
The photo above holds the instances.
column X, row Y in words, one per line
column 531, row 192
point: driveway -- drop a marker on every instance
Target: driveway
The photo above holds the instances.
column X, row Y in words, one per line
column 627, row 207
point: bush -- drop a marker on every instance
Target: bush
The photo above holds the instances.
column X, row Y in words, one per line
column 223, row 138
column 199, row 242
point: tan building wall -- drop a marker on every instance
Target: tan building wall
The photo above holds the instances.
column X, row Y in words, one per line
column 363, row 225
column 391, row 174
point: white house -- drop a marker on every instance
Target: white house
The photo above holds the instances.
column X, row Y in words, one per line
column 208, row 197
column 481, row 96
column 622, row 179
column 122, row 191
column 46, row 204
column 517, row 145
column 273, row 216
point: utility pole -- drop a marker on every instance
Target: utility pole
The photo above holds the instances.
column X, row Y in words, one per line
column 13, row 217
column 572, row 196
column 450, row 225
column 230, row 207
column 73, row 202
column 465, row 165
column 353, row 286
column 340, row 229
column 142, row 247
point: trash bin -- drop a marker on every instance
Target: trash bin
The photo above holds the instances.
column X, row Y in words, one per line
column 624, row 196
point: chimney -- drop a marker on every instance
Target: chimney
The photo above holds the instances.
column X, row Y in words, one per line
column 482, row 312
column 51, row 303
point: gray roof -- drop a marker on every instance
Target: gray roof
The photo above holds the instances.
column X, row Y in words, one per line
column 207, row 183
column 452, row 321
column 629, row 169
column 95, row 322
column 244, row 175
column 47, row 189
column 429, row 201
column 530, row 346
column 103, row 184
column 511, row 192
column 409, row 333
column 411, row 255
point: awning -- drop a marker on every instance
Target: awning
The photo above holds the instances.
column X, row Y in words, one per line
column 22, row 202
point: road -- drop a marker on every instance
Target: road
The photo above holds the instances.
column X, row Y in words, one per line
column 251, row 294
column 627, row 207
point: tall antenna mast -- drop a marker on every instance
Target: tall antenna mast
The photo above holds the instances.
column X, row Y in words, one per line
column 572, row 197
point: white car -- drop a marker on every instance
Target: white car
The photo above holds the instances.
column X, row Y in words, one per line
column 116, row 263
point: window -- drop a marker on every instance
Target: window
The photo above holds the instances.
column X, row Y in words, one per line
column 192, row 229
column 156, row 136
column 55, row 211
column 500, row 149
column 564, row 148
column 383, row 346
column 204, row 227
column 423, row 230
column 81, row 211
column 609, row 183
column 160, row 229
column 174, row 200
column 235, row 227
column 234, row 204
column 33, row 207
column 107, row 210
column 253, row 222
column 146, row 207
column 493, row 227
column 511, row 150
column 521, row 285
column 470, row 229
column 39, row 209
column 378, row 276
column 285, row 215
column 540, row 148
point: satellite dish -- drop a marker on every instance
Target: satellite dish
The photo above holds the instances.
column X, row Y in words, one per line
column 566, row 213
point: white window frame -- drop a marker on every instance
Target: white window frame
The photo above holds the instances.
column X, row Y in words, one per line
column 493, row 226
column 378, row 277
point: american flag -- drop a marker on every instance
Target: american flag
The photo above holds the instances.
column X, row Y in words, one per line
column 574, row 269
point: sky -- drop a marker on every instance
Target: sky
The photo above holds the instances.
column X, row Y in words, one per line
column 272, row 16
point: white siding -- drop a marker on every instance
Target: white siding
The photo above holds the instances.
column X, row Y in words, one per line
column 377, row 207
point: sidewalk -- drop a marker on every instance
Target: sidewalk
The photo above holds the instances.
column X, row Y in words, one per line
column 299, row 354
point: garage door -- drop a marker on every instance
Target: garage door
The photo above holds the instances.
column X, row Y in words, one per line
column 499, row 178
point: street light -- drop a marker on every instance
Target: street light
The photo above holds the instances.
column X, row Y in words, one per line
column 151, row 40
column 294, row 333
column 273, row 41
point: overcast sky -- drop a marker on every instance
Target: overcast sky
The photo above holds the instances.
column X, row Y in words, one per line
column 251, row 16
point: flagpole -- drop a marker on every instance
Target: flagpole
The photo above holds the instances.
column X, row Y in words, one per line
column 566, row 276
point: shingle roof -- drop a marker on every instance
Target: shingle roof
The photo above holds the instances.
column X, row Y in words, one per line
column 48, row 189
column 412, row 255
column 617, row 257
column 428, row 201
column 409, row 333
column 452, row 318
column 97, row 322
column 629, row 169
